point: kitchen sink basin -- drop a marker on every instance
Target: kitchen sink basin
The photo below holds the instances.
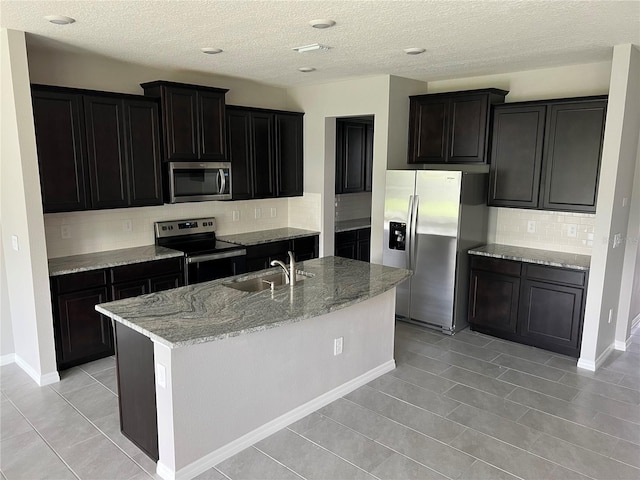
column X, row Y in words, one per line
column 267, row 281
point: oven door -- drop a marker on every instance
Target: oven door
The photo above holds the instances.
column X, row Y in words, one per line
column 199, row 181
column 202, row 268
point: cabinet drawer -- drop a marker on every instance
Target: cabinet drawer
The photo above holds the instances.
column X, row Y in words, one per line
column 496, row 265
column 268, row 249
column 80, row 281
column 349, row 236
column 127, row 273
column 554, row 274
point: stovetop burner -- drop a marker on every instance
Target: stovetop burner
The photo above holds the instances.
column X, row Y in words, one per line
column 193, row 237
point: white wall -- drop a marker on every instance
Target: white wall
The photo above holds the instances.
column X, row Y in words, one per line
column 7, row 349
column 619, row 155
column 21, row 213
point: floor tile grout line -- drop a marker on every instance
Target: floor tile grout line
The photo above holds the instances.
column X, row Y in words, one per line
column 448, row 444
column 55, row 452
column 219, row 471
column 278, row 461
column 382, row 444
column 100, row 432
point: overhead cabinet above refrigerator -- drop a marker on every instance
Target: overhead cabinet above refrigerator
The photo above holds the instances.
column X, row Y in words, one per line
column 431, row 219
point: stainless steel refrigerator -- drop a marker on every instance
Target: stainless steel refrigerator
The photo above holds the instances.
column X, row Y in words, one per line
column 431, row 219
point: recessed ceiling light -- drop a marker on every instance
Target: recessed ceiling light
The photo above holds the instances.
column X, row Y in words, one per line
column 310, row 48
column 322, row 23
column 210, row 50
column 306, row 69
column 60, row 19
column 414, row 51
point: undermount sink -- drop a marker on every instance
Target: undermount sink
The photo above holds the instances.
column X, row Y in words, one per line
column 266, row 281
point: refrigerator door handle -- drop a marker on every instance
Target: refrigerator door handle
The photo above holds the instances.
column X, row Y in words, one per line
column 408, row 238
column 414, row 226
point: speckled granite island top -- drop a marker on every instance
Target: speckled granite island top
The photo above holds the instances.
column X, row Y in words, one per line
column 533, row 255
column 110, row 258
column 348, row 225
column 211, row 311
column 266, row 236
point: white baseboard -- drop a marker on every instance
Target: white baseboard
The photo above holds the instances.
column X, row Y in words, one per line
column 593, row 366
column 622, row 345
column 41, row 380
column 7, row 359
column 212, row 459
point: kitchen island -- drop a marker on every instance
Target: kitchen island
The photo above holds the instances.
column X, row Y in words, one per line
column 232, row 367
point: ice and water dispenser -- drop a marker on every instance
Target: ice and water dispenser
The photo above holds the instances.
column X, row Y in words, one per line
column 397, row 235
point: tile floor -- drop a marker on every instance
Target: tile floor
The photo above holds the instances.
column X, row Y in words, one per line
column 462, row 407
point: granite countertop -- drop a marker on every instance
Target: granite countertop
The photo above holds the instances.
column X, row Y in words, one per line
column 110, row 258
column 211, row 311
column 534, row 255
column 348, row 225
column 266, row 236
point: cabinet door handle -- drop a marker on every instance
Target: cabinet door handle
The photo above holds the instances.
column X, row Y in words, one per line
column 475, row 295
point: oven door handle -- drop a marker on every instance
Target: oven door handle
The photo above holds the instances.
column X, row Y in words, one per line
column 216, row 256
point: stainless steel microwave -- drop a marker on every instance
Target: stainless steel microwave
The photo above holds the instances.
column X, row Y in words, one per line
column 199, row 181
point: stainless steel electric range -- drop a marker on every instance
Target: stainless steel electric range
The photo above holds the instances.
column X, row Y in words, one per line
column 206, row 257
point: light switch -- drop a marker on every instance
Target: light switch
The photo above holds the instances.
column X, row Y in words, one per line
column 14, row 243
column 161, row 375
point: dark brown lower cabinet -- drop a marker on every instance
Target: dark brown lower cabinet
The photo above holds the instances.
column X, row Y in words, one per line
column 354, row 244
column 528, row 303
column 81, row 333
column 260, row 256
column 137, row 389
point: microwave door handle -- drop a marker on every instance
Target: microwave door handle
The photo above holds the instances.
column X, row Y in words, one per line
column 222, row 182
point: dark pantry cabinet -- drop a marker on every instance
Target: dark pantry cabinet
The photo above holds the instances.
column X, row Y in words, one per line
column 528, row 303
column 266, row 152
column 95, row 149
column 193, row 120
column 451, row 127
column 81, row 333
column 354, row 155
column 547, row 154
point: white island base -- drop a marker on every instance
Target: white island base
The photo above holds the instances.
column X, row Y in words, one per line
column 215, row 399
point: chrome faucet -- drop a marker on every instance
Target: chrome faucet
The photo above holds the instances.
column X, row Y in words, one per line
column 289, row 271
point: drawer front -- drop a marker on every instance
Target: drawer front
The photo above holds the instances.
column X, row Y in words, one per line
column 555, row 274
column 135, row 271
column 268, row 249
column 496, row 265
column 349, row 236
column 80, row 281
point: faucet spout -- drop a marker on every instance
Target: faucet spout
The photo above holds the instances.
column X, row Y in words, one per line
column 289, row 271
column 292, row 269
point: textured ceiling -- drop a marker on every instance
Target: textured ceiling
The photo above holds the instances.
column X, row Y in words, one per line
column 461, row 38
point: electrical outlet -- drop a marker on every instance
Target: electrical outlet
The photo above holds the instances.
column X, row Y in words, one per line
column 617, row 240
column 337, row 346
column 235, row 215
column 572, row 230
column 65, row 231
column 258, row 213
column 127, row 225
column 531, row 226
column 274, row 212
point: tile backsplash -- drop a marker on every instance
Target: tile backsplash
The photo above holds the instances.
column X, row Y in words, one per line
column 351, row 206
column 99, row 230
column 560, row 231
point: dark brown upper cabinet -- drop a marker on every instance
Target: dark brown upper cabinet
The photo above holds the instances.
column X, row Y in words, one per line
column 193, row 120
column 546, row 155
column 354, row 155
column 96, row 149
column 59, row 127
column 266, row 152
column 451, row 127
